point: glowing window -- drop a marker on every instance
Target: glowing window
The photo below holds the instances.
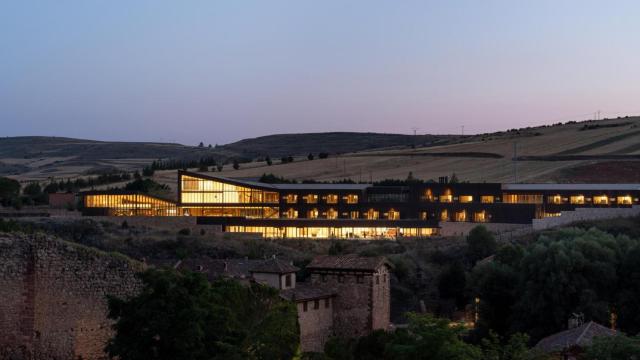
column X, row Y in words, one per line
column 372, row 214
column 601, row 200
column 311, row 199
column 461, row 215
column 332, row 214
column 351, row 199
column 332, row 199
column 480, row 216
column 393, row 215
column 487, row 199
column 312, row 214
column 444, row 215
column 291, row 214
column 624, row 200
column 466, row 198
column 577, row 199
column 354, row 214
column 428, row 195
column 554, row 199
column 291, row 199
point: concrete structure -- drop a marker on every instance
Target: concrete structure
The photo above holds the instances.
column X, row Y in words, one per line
column 54, row 297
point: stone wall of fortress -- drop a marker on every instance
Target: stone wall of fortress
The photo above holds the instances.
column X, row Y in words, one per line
column 54, row 297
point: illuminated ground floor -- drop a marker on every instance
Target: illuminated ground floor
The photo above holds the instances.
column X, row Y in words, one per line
column 325, row 229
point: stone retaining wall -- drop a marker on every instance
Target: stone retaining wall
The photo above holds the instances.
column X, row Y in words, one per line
column 54, row 297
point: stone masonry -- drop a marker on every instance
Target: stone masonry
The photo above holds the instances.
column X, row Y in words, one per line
column 54, row 297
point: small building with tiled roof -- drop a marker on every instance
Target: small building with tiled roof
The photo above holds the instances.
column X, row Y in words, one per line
column 275, row 273
column 569, row 344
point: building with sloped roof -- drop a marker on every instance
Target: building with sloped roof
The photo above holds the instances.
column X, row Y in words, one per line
column 569, row 344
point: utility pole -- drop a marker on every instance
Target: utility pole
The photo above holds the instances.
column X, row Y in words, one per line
column 415, row 134
column 462, row 127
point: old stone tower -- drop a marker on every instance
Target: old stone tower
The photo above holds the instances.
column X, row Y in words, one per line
column 362, row 288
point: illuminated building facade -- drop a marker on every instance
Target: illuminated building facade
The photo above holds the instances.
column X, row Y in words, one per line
column 357, row 210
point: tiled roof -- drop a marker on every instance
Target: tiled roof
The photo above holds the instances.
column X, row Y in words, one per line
column 348, row 262
column 274, row 265
column 580, row 336
column 217, row 268
column 304, row 291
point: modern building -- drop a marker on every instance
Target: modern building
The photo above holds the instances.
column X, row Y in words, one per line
column 359, row 211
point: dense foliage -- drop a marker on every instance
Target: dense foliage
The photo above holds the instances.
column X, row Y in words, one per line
column 565, row 271
column 618, row 347
column 183, row 316
column 428, row 338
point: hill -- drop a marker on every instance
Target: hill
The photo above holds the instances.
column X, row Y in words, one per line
column 588, row 151
column 39, row 157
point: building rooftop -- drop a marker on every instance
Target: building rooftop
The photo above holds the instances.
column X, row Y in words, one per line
column 217, row 268
column 253, row 183
column 274, row 266
column 551, row 187
column 348, row 262
column 303, row 292
column 580, row 336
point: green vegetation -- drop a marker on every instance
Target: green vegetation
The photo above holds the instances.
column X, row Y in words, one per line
column 427, row 337
column 181, row 316
column 618, row 347
column 9, row 191
column 480, row 244
column 147, row 186
column 564, row 271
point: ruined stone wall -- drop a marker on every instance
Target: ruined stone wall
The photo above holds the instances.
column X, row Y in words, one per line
column 57, row 291
column 316, row 325
column 353, row 302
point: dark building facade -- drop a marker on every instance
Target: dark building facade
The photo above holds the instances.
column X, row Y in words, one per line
column 358, row 210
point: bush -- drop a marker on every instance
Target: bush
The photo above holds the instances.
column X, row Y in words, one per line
column 480, row 244
column 184, row 231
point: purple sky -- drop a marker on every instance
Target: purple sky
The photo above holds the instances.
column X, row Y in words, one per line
column 219, row 71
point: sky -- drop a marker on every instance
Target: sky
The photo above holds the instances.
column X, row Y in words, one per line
column 220, row 71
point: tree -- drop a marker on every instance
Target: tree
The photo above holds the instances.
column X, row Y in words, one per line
column 203, row 168
column 183, row 316
column 219, row 167
column 9, row 191
column 480, row 243
column 209, row 146
column 426, row 334
column 452, row 283
column 310, row 156
column 454, row 179
column 619, row 347
column 51, row 188
column 323, row 155
column 201, row 144
column 236, row 165
column 268, row 160
column 147, row 171
column 513, row 349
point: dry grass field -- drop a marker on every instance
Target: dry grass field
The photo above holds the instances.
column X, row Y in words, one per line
column 589, row 151
column 546, row 154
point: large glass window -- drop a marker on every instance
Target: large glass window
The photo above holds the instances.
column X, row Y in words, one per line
column 205, row 191
column 131, row 205
column 554, row 199
column 332, row 214
column 522, row 198
column 446, row 197
column 312, row 214
column 393, row 215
